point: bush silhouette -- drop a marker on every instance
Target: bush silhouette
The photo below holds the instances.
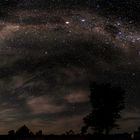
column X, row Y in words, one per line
column 11, row 133
column 39, row 133
column 70, row 132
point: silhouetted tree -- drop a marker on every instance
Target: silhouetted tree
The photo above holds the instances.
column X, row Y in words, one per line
column 136, row 134
column 84, row 130
column 39, row 133
column 23, row 132
column 106, row 102
column 11, row 133
column 31, row 133
column 70, row 132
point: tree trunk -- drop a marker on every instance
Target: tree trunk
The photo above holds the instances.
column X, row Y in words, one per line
column 107, row 131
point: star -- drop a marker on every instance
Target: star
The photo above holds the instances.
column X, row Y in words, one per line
column 67, row 22
column 83, row 20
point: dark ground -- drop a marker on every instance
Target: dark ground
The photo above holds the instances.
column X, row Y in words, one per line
column 65, row 137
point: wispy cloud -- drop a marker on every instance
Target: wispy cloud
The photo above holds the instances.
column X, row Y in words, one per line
column 8, row 114
column 44, row 105
column 130, row 120
column 77, row 96
column 8, row 118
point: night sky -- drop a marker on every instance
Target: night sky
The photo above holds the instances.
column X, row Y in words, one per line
column 49, row 53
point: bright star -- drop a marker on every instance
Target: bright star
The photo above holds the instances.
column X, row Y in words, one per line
column 67, row 22
column 83, row 20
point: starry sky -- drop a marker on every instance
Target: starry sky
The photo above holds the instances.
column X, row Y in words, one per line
column 50, row 51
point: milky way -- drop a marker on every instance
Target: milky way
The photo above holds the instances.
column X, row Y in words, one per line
column 48, row 58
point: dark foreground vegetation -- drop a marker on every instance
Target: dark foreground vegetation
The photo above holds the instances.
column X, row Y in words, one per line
column 69, row 137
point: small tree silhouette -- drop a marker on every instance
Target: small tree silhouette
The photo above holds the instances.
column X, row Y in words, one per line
column 23, row 131
column 11, row 133
column 106, row 102
column 39, row 133
column 70, row 132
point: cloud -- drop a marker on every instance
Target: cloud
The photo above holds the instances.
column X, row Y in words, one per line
column 77, row 97
column 130, row 120
column 8, row 117
column 131, row 115
column 44, row 105
column 7, row 114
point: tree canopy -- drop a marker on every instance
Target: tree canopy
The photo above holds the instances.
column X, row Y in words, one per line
column 106, row 102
